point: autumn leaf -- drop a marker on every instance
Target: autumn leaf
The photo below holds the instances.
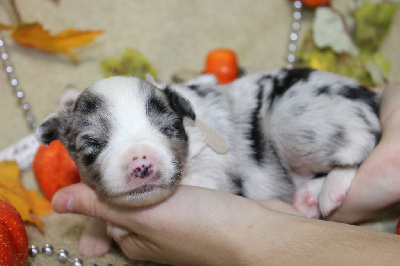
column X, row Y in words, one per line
column 132, row 63
column 323, row 59
column 347, row 43
column 40, row 205
column 329, row 31
column 373, row 22
column 33, row 35
column 29, row 203
column 5, row 27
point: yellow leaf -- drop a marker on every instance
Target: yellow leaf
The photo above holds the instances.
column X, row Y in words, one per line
column 322, row 60
column 33, row 35
column 29, row 203
column 40, row 205
column 5, row 27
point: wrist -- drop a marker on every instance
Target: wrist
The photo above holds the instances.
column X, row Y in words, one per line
column 269, row 239
column 296, row 240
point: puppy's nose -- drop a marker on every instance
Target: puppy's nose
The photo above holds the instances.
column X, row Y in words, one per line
column 142, row 167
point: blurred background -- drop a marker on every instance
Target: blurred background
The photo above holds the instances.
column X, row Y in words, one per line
column 172, row 35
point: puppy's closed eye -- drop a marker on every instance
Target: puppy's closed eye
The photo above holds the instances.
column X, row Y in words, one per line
column 90, row 147
column 173, row 129
column 168, row 130
column 88, row 141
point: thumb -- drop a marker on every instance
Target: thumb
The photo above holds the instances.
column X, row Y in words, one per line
column 79, row 198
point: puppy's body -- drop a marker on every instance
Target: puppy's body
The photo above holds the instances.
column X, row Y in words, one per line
column 132, row 144
column 284, row 127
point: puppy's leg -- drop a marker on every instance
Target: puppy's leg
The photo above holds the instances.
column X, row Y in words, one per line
column 334, row 191
column 306, row 197
column 94, row 241
column 324, row 195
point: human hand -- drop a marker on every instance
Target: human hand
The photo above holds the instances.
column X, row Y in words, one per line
column 198, row 226
column 376, row 185
column 193, row 226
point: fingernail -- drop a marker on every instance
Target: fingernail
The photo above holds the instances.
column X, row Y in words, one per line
column 62, row 203
column 70, row 203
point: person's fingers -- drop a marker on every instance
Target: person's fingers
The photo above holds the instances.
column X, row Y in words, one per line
column 79, row 198
column 374, row 187
column 277, row 205
column 116, row 232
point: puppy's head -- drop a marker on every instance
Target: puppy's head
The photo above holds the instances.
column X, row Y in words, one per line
column 127, row 138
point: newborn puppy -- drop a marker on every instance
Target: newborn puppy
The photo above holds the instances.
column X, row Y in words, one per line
column 296, row 134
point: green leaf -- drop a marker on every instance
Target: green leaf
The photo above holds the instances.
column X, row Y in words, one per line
column 132, row 63
column 333, row 49
column 373, row 21
column 375, row 72
column 369, row 69
column 329, row 30
column 354, row 67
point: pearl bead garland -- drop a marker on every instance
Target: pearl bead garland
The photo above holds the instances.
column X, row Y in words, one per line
column 13, row 81
column 293, row 36
column 62, row 255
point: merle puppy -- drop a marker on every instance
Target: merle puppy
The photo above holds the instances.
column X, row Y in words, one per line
column 296, row 135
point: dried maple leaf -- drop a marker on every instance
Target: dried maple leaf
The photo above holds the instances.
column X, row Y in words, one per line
column 132, row 63
column 5, row 27
column 29, row 203
column 33, row 35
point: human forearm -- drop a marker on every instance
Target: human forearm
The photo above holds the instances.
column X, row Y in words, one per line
column 300, row 241
column 197, row 226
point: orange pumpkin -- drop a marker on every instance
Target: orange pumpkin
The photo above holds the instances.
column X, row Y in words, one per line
column 13, row 237
column 314, row 3
column 54, row 169
column 223, row 64
column 398, row 227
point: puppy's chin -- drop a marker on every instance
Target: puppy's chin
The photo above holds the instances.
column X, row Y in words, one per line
column 143, row 196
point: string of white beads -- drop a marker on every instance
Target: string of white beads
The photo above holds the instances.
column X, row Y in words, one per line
column 294, row 35
column 62, row 254
column 13, row 81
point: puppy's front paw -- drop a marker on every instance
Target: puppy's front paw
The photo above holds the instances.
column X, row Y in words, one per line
column 334, row 191
column 94, row 241
column 93, row 247
column 306, row 198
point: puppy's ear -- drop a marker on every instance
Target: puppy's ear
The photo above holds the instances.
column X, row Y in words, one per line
column 49, row 129
column 179, row 104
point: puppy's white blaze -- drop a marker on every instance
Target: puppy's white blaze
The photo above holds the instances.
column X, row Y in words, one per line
column 124, row 102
